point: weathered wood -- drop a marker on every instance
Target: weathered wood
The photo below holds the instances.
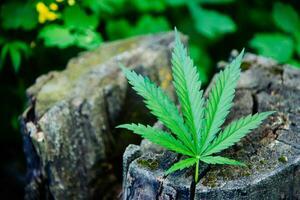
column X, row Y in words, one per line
column 69, row 128
column 271, row 152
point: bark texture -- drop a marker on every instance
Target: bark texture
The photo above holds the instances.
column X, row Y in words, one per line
column 271, row 152
column 70, row 141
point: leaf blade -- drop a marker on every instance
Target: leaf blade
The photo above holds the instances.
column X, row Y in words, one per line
column 220, row 101
column 187, row 86
column 160, row 105
column 235, row 131
column 274, row 45
column 181, row 165
column 285, row 17
column 4, row 52
column 15, row 56
column 220, row 160
column 159, row 137
column 211, row 23
column 56, row 35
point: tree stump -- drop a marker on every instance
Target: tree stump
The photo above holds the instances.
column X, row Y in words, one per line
column 271, row 152
column 68, row 130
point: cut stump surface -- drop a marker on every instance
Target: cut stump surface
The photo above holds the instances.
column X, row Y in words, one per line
column 271, row 152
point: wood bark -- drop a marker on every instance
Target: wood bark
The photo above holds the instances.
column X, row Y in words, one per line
column 72, row 148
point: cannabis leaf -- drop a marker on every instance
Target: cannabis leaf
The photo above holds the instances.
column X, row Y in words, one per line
column 197, row 132
column 220, row 101
column 161, row 106
column 182, row 164
column 159, row 137
column 187, row 85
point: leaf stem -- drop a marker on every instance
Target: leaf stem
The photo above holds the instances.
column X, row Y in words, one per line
column 197, row 172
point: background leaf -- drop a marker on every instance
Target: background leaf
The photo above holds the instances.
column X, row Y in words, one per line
column 15, row 58
column 146, row 24
column 176, row 3
column 15, row 49
column 274, row 45
column 294, row 63
column 149, row 24
column 23, row 47
column 153, row 5
column 18, row 15
column 101, row 7
column 210, row 23
column 4, row 52
column 285, row 17
column 297, row 38
column 2, row 40
column 215, row 1
column 88, row 39
column 118, row 29
column 56, row 35
column 76, row 17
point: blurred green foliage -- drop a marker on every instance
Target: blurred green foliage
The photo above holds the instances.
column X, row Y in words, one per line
column 69, row 23
column 17, row 15
column 37, row 36
column 34, row 32
column 15, row 49
column 283, row 43
column 84, row 24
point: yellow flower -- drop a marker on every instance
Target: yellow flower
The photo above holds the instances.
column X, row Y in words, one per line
column 44, row 13
column 71, row 2
column 41, row 7
column 53, row 6
column 59, row 1
column 52, row 16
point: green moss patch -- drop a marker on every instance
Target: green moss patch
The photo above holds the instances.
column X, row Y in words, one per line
column 151, row 164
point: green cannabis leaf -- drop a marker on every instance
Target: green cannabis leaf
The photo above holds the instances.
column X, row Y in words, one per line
column 197, row 132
